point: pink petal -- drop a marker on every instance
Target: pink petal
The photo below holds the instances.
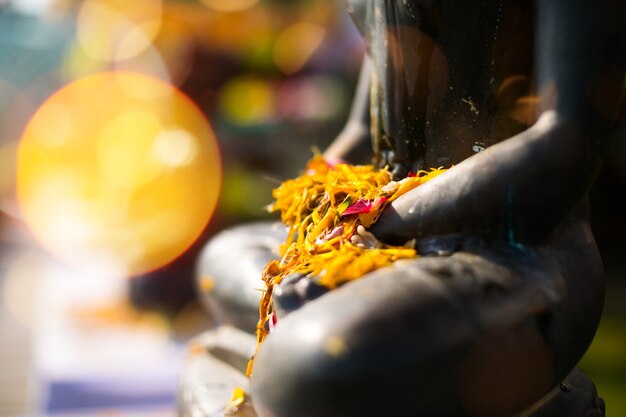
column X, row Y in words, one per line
column 364, row 206
column 361, row 206
column 273, row 321
column 380, row 201
column 337, row 231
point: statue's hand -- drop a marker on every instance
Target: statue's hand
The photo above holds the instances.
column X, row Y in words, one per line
column 518, row 190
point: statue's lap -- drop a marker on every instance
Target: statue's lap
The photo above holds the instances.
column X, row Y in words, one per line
column 481, row 328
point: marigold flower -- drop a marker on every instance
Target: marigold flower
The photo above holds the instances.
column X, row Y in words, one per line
column 327, row 211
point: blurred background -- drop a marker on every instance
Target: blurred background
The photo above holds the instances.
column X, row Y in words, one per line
column 132, row 131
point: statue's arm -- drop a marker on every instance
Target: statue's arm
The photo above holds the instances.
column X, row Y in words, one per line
column 521, row 188
column 354, row 141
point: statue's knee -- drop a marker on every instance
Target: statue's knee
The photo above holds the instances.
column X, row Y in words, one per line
column 235, row 247
column 228, row 273
column 408, row 341
column 505, row 370
column 380, row 344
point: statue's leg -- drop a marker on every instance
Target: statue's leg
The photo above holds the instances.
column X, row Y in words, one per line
column 229, row 272
column 482, row 332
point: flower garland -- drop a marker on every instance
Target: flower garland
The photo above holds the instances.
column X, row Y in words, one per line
column 327, row 211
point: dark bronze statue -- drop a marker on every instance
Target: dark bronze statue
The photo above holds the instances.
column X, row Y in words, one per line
column 521, row 98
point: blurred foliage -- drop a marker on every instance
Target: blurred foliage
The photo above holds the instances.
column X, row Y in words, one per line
column 605, row 363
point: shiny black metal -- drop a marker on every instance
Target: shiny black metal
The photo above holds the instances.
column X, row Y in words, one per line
column 229, row 272
column 521, row 97
column 437, row 76
column 485, row 331
column 509, row 191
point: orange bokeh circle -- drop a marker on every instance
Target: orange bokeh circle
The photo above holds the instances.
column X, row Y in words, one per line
column 118, row 170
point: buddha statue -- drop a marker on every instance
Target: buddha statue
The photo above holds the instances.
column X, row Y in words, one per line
column 520, row 100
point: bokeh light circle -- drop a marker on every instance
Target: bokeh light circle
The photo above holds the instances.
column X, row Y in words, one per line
column 118, row 169
column 229, row 5
column 118, row 29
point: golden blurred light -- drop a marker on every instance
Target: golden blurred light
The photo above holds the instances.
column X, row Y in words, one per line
column 53, row 125
column 175, row 147
column 296, row 45
column 167, row 55
column 118, row 29
column 175, row 44
column 248, row 101
column 229, row 5
column 119, row 168
column 7, row 177
column 17, row 106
